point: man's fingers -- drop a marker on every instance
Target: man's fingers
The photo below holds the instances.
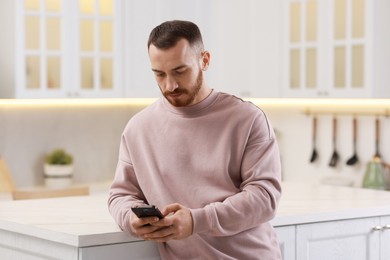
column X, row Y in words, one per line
column 172, row 208
column 161, row 235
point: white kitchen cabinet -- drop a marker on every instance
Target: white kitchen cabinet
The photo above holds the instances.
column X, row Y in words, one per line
column 385, row 237
column 141, row 250
column 69, row 57
column 245, row 56
column 336, row 48
column 243, row 40
column 286, row 237
column 364, row 239
column 68, row 48
column 20, row 246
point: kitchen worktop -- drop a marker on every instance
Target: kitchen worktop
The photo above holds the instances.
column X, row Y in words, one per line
column 84, row 221
column 308, row 203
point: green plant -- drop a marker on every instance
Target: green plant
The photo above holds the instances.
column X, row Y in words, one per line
column 59, row 157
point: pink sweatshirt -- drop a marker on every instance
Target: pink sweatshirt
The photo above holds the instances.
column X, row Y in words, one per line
column 220, row 159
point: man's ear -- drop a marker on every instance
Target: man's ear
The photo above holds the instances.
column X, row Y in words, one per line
column 205, row 60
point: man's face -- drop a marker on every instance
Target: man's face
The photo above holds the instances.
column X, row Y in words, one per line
column 178, row 72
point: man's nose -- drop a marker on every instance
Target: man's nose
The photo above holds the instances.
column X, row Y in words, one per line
column 171, row 84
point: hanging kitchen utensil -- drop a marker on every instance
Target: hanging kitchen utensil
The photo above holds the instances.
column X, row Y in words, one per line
column 335, row 156
column 377, row 134
column 354, row 159
column 374, row 177
column 314, row 154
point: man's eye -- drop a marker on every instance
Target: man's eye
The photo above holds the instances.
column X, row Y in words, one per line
column 179, row 72
column 159, row 75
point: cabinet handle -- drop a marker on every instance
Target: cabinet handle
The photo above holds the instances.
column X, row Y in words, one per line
column 323, row 93
column 386, row 227
column 377, row 228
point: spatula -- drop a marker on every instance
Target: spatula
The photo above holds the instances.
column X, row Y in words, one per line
column 377, row 134
column 335, row 156
column 314, row 154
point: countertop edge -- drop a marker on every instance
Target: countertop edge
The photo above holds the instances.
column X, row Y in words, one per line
column 301, row 219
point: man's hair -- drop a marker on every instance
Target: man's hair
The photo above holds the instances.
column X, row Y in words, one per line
column 167, row 34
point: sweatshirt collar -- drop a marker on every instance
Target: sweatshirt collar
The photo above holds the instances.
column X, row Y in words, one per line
column 193, row 109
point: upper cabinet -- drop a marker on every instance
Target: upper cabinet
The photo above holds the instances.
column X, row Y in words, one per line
column 97, row 48
column 283, row 48
column 68, row 48
column 336, row 48
column 246, row 58
column 243, row 40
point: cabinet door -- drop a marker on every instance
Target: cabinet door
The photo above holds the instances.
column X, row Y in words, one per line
column 327, row 48
column 40, row 48
column 286, row 237
column 385, row 238
column 68, row 48
column 302, row 49
column 98, row 65
column 339, row 240
column 245, row 57
column 349, row 55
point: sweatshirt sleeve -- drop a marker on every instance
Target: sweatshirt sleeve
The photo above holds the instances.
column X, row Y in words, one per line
column 125, row 191
column 260, row 190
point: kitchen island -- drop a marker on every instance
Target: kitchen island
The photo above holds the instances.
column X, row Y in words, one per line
column 313, row 222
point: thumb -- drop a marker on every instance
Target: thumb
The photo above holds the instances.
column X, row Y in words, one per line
column 171, row 208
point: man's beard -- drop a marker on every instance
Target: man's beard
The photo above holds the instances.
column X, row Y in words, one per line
column 189, row 96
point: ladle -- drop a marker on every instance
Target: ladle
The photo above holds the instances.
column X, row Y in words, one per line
column 354, row 159
column 335, row 156
column 314, row 154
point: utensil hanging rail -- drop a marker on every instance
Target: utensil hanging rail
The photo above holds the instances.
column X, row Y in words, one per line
column 385, row 113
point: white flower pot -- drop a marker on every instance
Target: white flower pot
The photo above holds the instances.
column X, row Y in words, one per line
column 58, row 176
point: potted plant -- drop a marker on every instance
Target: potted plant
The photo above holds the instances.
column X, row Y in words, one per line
column 58, row 169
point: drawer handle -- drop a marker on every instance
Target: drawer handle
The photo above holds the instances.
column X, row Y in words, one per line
column 387, row 227
column 377, row 228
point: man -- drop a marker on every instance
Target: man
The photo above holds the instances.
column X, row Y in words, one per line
column 209, row 160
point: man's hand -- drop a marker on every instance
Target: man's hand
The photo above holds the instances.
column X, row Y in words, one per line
column 177, row 224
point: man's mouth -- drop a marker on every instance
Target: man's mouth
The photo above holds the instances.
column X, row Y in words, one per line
column 175, row 94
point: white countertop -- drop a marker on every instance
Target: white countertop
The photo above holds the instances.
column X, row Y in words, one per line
column 85, row 221
column 307, row 203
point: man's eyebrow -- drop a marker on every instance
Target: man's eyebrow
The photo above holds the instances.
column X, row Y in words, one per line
column 157, row 71
column 176, row 68
column 179, row 67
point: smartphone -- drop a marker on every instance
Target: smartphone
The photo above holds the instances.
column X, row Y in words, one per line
column 147, row 211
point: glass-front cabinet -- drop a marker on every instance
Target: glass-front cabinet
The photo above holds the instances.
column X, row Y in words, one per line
column 68, row 48
column 331, row 48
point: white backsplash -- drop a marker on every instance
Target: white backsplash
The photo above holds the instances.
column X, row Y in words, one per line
column 92, row 135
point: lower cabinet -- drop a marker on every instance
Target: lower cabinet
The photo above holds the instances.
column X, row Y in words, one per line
column 353, row 239
column 337, row 240
column 286, row 237
column 357, row 239
column 385, row 237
